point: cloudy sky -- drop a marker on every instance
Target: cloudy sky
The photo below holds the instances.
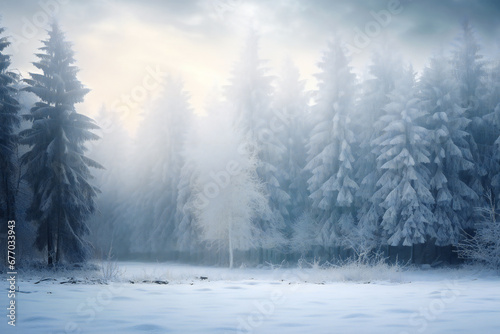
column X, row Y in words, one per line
column 122, row 45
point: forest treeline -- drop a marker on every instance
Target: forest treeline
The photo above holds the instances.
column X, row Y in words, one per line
column 396, row 162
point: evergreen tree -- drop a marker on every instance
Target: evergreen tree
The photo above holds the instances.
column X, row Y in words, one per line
column 493, row 119
column 468, row 68
column 384, row 70
column 56, row 166
column 186, row 232
column 158, row 162
column 492, row 95
column 291, row 121
column 9, row 121
column 250, row 95
column 25, row 232
column 306, row 235
column 402, row 149
column 451, row 156
column 330, row 160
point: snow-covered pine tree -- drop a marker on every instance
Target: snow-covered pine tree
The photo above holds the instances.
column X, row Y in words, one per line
column 158, row 162
column 468, row 68
column 450, row 151
column 186, row 232
column 290, row 105
column 493, row 118
column 402, row 150
column 9, row 121
column 188, row 241
column 250, row 96
column 306, row 236
column 56, row 166
column 330, row 160
column 492, row 96
column 26, row 232
column 385, row 68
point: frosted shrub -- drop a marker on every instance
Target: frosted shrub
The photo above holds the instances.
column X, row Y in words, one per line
column 109, row 268
column 357, row 269
column 484, row 245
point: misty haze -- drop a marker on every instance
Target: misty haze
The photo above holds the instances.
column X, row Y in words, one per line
column 242, row 166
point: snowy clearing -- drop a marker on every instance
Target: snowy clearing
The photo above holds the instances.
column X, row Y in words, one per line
column 260, row 301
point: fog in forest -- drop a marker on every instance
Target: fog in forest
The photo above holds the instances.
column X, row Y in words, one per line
column 242, row 133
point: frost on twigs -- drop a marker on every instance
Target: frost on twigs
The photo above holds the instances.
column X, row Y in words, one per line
column 483, row 246
column 110, row 270
column 363, row 269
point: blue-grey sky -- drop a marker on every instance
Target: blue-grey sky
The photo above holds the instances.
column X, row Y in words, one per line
column 118, row 43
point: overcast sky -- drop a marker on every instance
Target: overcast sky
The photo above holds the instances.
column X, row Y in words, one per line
column 119, row 43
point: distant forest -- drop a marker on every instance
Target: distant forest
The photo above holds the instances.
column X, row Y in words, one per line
column 397, row 163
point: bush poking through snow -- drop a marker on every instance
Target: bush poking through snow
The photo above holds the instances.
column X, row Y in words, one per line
column 484, row 245
column 110, row 271
column 359, row 269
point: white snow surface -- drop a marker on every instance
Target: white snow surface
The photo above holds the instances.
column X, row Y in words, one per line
column 265, row 300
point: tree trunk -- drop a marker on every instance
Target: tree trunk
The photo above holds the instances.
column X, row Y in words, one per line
column 59, row 244
column 59, row 238
column 58, row 171
column 50, row 246
column 230, row 247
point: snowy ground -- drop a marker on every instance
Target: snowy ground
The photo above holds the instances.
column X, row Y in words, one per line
column 349, row 300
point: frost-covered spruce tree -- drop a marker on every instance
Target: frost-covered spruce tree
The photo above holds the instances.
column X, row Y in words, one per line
column 468, row 68
column 385, row 68
column 493, row 118
column 186, row 231
column 250, row 96
column 229, row 197
column 330, row 160
column 158, row 163
column 56, row 166
column 9, row 121
column 306, row 235
column 291, row 120
column 402, row 149
column 450, row 151
column 492, row 95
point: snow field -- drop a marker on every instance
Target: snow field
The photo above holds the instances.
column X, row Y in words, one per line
column 261, row 301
